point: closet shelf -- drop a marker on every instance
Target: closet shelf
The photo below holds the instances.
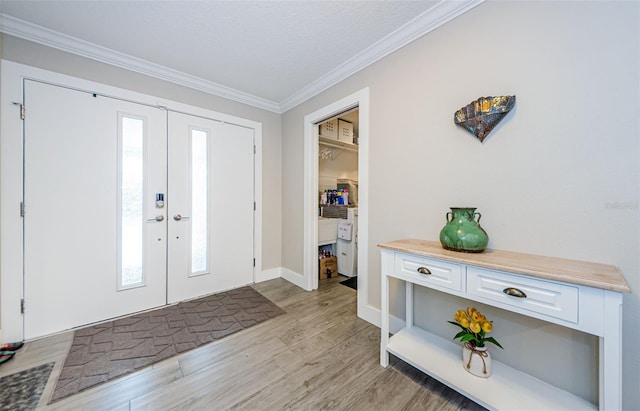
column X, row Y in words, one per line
column 330, row 142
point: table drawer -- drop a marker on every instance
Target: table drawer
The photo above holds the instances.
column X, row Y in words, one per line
column 429, row 272
column 539, row 296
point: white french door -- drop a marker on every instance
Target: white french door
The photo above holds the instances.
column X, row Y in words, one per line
column 124, row 213
column 93, row 249
column 211, row 208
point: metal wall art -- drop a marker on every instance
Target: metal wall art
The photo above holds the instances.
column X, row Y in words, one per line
column 482, row 115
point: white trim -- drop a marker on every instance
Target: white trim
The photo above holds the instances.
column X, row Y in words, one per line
column 269, row 274
column 11, row 268
column 41, row 35
column 422, row 24
column 294, row 278
column 429, row 20
column 11, row 235
column 358, row 99
column 257, row 197
column 373, row 315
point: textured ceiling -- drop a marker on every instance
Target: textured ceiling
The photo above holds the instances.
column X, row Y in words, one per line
column 267, row 49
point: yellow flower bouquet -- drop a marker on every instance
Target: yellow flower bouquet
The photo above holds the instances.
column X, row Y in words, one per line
column 475, row 327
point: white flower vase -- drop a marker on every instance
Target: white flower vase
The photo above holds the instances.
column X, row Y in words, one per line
column 476, row 360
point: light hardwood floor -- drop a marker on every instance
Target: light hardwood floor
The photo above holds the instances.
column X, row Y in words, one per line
column 317, row 356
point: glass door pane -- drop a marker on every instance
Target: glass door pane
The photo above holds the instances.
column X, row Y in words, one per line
column 199, row 202
column 131, row 227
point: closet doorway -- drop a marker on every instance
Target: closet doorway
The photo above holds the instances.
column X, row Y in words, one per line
column 309, row 280
column 338, row 192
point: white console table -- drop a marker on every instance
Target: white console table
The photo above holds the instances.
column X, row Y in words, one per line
column 579, row 295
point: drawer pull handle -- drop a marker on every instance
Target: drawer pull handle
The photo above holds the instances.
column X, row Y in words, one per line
column 424, row 270
column 514, row 292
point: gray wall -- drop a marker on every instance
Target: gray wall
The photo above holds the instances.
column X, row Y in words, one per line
column 558, row 177
column 32, row 54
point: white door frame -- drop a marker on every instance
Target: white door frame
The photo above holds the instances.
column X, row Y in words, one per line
column 11, row 177
column 358, row 99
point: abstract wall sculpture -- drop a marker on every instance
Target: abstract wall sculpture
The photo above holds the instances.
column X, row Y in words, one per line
column 482, row 115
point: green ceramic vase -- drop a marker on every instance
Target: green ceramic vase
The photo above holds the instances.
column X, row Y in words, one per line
column 463, row 232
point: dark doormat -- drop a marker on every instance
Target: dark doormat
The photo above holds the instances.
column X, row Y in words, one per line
column 110, row 350
column 351, row 282
column 22, row 390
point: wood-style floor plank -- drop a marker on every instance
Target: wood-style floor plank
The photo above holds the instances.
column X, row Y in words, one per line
column 317, row 356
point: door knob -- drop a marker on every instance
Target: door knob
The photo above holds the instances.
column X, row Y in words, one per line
column 157, row 218
column 179, row 217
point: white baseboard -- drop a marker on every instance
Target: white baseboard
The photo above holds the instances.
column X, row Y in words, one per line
column 369, row 314
column 373, row 316
column 269, row 274
column 293, row 277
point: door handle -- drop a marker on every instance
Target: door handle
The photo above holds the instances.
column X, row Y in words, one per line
column 178, row 217
column 157, row 218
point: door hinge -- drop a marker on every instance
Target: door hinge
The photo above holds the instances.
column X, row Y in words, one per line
column 21, row 109
column 254, row 262
column 22, row 306
column 254, row 206
column 254, row 149
column 21, row 209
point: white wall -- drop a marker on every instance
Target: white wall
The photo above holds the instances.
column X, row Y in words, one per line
column 32, row 54
column 558, row 177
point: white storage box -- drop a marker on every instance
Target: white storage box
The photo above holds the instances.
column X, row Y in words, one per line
column 329, row 129
column 345, row 131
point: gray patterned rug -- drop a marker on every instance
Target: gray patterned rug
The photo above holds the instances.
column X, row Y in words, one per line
column 106, row 351
column 21, row 391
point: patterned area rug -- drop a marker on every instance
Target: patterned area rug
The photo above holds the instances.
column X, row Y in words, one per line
column 22, row 390
column 106, row 351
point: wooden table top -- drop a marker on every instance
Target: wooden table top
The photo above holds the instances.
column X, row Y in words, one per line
column 607, row 277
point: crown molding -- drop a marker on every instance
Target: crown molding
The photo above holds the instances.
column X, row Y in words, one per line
column 434, row 17
column 429, row 20
column 38, row 34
